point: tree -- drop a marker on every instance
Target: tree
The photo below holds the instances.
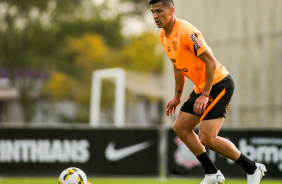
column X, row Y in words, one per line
column 86, row 54
column 141, row 53
column 28, row 45
column 90, row 52
column 61, row 43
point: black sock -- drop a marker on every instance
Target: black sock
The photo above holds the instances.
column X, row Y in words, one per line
column 207, row 163
column 248, row 165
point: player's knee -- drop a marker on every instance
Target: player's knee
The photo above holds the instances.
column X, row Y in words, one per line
column 180, row 131
column 206, row 141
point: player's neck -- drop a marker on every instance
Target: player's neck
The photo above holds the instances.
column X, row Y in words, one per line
column 168, row 30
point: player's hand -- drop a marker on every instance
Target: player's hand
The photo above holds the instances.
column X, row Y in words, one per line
column 171, row 106
column 200, row 104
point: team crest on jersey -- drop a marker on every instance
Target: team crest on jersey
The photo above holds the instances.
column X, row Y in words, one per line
column 174, row 45
column 196, row 41
column 175, row 35
column 168, row 49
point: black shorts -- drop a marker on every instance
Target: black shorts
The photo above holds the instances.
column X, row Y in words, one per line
column 219, row 99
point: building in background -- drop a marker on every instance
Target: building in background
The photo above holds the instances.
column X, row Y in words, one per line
column 7, row 98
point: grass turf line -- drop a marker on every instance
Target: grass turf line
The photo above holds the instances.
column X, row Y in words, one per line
column 10, row 180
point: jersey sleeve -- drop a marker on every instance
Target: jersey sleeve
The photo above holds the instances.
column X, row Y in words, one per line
column 194, row 40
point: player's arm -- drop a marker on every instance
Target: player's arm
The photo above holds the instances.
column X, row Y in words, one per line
column 179, row 83
column 210, row 62
column 179, row 86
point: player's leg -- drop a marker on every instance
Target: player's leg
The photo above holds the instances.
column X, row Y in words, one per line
column 211, row 122
column 208, row 131
column 183, row 127
column 186, row 121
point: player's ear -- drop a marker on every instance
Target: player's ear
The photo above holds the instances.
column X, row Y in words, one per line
column 171, row 10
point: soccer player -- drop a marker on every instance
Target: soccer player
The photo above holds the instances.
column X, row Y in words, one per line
column 208, row 102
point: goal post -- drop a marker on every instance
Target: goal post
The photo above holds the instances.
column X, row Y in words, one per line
column 119, row 75
column 97, row 76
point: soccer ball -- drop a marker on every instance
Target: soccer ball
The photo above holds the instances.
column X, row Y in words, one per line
column 72, row 175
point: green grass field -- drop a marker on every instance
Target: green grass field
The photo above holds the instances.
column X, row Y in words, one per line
column 8, row 180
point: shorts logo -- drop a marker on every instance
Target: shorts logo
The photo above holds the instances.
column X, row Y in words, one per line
column 209, row 102
column 196, row 41
column 174, row 43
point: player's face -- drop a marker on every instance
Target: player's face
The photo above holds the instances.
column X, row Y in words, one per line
column 162, row 14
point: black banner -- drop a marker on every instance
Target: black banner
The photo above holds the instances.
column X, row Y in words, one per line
column 98, row 152
column 125, row 152
column 260, row 146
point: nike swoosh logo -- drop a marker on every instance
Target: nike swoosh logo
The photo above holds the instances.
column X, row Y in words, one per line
column 113, row 154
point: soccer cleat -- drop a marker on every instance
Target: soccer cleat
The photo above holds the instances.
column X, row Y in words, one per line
column 216, row 178
column 258, row 174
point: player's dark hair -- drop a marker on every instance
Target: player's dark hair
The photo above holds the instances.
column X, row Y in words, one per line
column 167, row 3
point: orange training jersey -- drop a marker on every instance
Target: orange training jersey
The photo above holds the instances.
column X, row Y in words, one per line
column 183, row 46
